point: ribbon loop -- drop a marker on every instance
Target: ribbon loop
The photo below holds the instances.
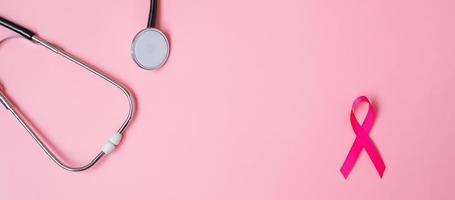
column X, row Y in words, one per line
column 362, row 140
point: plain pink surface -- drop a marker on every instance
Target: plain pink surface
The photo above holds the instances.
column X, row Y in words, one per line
column 253, row 102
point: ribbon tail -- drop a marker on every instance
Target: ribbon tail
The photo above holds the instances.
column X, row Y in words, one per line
column 375, row 157
column 350, row 160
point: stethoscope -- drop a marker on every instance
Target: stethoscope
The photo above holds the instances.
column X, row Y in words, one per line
column 150, row 49
column 114, row 140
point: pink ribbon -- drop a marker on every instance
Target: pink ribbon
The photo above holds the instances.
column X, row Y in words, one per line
column 362, row 140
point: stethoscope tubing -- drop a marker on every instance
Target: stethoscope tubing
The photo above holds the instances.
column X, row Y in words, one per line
column 7, row 103
column 152, row 14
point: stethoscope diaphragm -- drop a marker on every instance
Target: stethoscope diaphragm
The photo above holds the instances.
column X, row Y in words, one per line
column 150, row 48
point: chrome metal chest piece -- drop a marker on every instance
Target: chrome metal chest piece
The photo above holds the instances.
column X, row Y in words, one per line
column 150, row 47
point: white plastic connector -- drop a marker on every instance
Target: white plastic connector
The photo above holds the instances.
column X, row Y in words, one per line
column 115, row 138
column 108, row 147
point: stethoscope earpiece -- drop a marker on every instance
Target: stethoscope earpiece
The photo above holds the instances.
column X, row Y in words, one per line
column 150, row 48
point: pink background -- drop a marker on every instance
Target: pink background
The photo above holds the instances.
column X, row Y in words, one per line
column 253, row 102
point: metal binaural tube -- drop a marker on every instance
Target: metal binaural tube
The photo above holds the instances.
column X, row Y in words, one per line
column 8, row 105
column 49, row 152
column 6, row 102
column 96, row 72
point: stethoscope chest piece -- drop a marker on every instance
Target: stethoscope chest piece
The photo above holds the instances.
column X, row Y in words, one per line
column 150, row 48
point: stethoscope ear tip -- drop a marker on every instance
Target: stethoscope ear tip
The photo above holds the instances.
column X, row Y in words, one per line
column 150, row 49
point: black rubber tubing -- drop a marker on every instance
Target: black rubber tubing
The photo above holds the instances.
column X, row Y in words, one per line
column 29, row 34
column 16, row 28
column 152, row 13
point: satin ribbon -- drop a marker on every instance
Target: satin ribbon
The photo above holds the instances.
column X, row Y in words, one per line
column 362, row 140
